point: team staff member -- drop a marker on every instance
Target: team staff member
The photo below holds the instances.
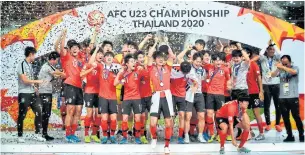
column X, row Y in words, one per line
column 48, row 73
column 231, row 114
column 162, row 98
column 289, row 96
column 91, row 97
column 27, row 96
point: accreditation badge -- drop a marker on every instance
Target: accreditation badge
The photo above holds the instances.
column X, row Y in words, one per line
column 286, row 88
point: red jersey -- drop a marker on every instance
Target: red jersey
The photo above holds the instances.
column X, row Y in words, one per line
column 178, row 83
column 226, row 91
column 145, row 88
column 107, row 89
column 156, row 74
column 252, row 78
column 92, row 86
column 228, row 57
column 131, row 85
column 72, row 67
column 204, row 83
column 229, row 110
column 217, row 78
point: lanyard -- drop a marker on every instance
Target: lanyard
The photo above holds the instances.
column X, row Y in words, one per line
column 270, row 63
column 31, row 69
column 160, row 74
column 236, row 69
column 106, row 74
column 214, row 73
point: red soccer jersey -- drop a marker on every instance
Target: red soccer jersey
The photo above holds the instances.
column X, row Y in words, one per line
column 92, row 86
column 228, row 57
column 72, row 67
column 155, row 76
column 217, row 78
column 107, row 89
column 131, row 85
column 204, row 83
column 252, row 78
column 178, row 84
column 145, row 88
column 228, row 110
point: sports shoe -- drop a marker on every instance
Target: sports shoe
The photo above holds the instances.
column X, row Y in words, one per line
column 229, row 138
column 69, row 139
column 153, row 143
column 289, row 139
column 95, row 138
column 201, row 139
column 180, row 140
column 268, row 128
column 222, row 150
column 193, row 138
column 278, row 128
column 47, row 137
column 124, row 141
column 87, row 139
column 144, row 140
column 21, row 140
column 260, row 137
column 138, row 141
column 75, row 138
column 206, row 136
column 104, row 140
column 186, row 138
column 166, row 150
column 211, row 139
column 243, row 150
column 252, row 134
column 218, row 138
column 113, row 140
column 38, row 137
column 172, row 139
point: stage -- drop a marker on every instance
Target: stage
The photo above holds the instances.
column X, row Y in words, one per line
column 271, row 145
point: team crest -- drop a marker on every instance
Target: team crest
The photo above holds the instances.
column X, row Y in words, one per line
column 135, row 75
column 221, row 72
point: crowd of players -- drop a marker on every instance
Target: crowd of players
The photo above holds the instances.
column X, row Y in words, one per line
column 207, row 91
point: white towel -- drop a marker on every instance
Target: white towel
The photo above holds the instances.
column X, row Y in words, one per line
column 189, row 96
column 156, row 102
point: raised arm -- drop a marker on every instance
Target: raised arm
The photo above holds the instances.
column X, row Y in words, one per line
column 86, row 70
column 151, row 52
column 171, row 55
column 93, row 56
column 60, row 43
column 286, row 69
column 220, row 44
column 141, row 45
column 182, row 54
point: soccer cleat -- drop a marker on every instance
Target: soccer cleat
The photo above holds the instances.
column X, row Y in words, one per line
column 260, row 137
column 166, row 150
column 201, row 139
column 206, row 136
column 186, row 138
column 75, row 138
column 21, row 140
column 87, row 139
column 144, row 140
column 180, row 140
column 113, row 140
column 124, row 141
column 278, row 128
column 211, row 139
column 193, row 138
column 268, row 128
column 104, row 140
column 69, row 139
column 95, row 138
column 138, row 141
column 153, row 143
column 38, row 137
column 289, row 139
column 47, row 137
column 243, row 150
column 222, row 150
column 301, row 138
column 229, row 138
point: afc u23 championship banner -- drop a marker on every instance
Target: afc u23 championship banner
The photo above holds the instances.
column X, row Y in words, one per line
column 115, row 18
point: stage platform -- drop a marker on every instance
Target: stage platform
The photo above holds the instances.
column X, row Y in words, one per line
column 272, row 145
